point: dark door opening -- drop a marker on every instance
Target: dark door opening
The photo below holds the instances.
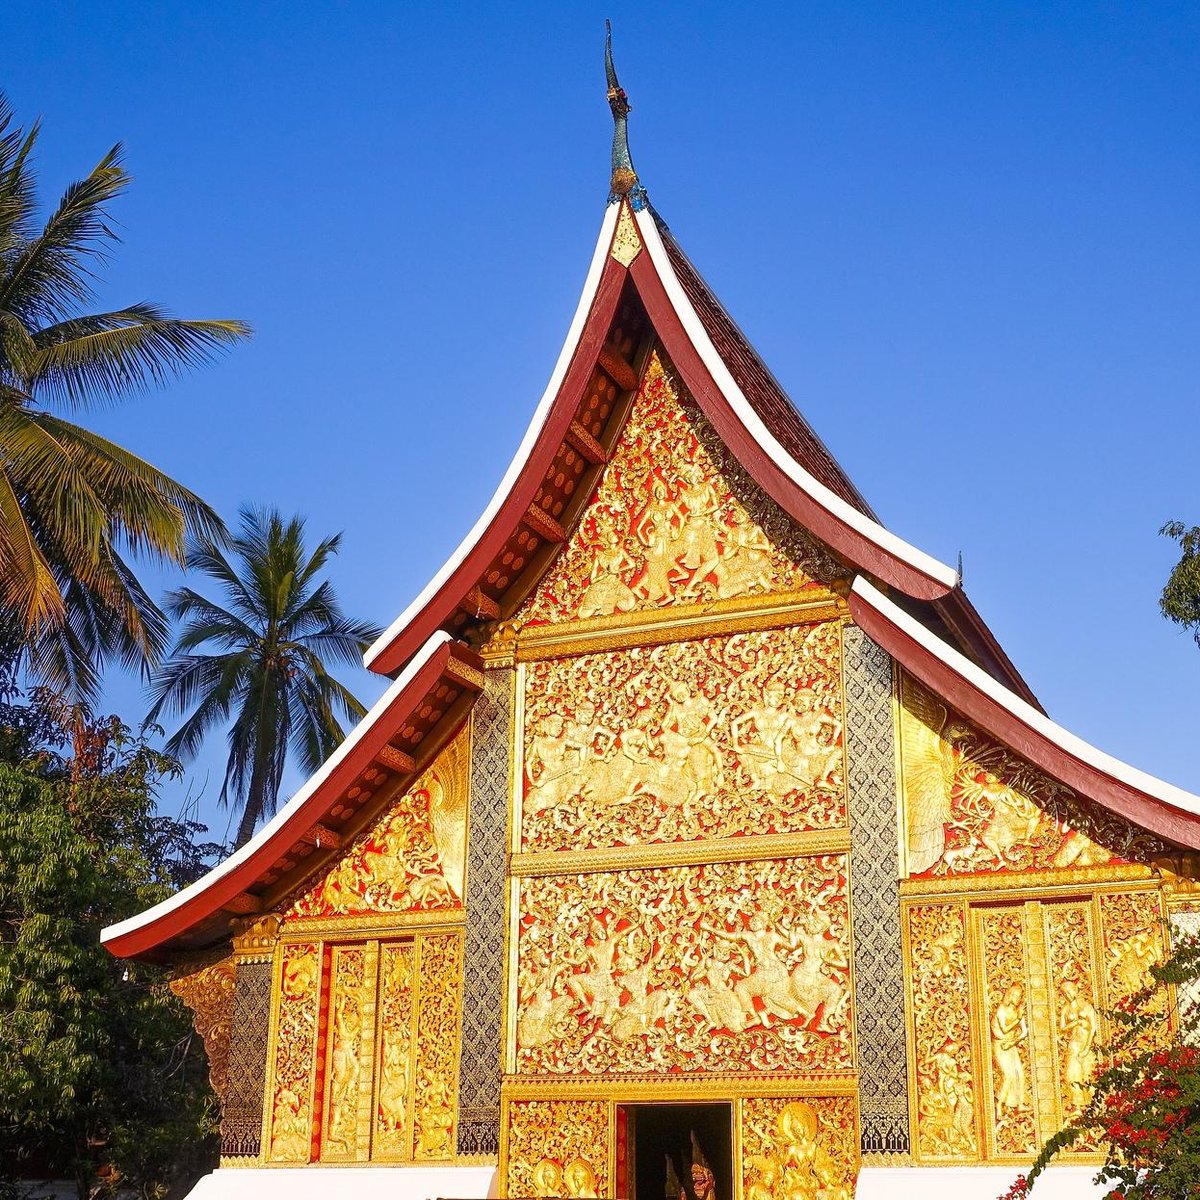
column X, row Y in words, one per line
column 656, row 1133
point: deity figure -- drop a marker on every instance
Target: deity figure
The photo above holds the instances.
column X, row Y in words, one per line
column 393, row 1081
column 435, row 1122
column 344, row 1070
column 947, row 1107
column 1079, row 1023
column 768, row 981
column 816, row 990
column 623, row 772
column 538, row 1021
column 553, row 766
column 598, row 988
column 645, row 1005
column 688, row 752
column 745, row 564
column 580, row 1179
column 1132, row 959
column 796, row 1165
column 657, row 533
column 716, row 1001
column 782, row 750
column 698, row 505
column 547, row 1179
column 290, row 1131
column 1009, row 1029
column 1012, row 822
column 607, row 592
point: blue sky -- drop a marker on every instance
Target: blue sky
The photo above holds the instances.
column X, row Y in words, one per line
column 964, row 237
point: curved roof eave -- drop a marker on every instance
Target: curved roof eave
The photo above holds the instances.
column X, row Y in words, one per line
column 198, row 901
column 1151, row 803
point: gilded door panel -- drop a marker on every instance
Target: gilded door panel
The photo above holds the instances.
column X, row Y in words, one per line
column 346, row 1073
column 293, row 1066
column 392, row 1133
column 435, row 1098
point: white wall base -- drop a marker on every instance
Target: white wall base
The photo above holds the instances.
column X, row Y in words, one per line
column 973, row 1183
column 359, row 1183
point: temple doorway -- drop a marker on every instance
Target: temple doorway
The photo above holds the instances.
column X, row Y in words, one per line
column 663, row 1142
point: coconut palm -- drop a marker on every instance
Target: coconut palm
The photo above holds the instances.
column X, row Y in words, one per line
column 263, row 671
column 73, row 504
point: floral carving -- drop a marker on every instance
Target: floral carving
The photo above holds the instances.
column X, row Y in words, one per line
column 557, row 1148
column 716, row 737
column 209, row 992
column 972, row 806
column 799, row 1149
column 725, row 967
column 675, row 519
column 295, row 1049
column 435, row 1093
column 393, row 1084
column 349, row 1005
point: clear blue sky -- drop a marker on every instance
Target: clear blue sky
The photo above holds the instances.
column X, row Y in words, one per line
column 964, row 237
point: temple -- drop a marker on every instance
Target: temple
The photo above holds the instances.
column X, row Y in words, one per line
column 705, row 846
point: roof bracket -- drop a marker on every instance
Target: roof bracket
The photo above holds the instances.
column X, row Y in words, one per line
column 587, row 445
column 543, row 524
column 616, row 364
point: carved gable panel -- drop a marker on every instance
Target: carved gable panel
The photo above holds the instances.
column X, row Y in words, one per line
column 675, row 520
column 972, row 806
column 412, row 858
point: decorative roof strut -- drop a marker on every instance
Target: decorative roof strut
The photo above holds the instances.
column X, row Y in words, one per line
column 624, row 177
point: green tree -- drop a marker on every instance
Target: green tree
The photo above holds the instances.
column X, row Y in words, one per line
column 101, row 1076
column 1180, row 600
column 74, row 505
column 264, row 674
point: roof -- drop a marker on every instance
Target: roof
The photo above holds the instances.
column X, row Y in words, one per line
column 1160, row 807
column 391, row 745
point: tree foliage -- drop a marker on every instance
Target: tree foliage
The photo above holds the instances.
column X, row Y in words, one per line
column 74, row 505
column 1180, row 600
column 101, row 1077
column 1144, row 1107
column 263, row 671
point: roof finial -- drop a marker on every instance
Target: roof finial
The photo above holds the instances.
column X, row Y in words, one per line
column 624, row 177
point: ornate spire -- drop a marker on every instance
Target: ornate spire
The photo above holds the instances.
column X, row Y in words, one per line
column 624, row 177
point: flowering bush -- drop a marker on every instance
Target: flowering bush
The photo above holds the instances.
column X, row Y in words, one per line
column 1144, row 1107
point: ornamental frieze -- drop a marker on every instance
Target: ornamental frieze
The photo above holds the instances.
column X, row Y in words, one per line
column 411, row 859
column 716, row 737
column 972, row 806
column 675, row 520
column 724, row 967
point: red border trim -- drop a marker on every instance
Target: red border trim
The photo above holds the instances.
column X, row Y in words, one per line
column 207, row 901
column 1149, row 812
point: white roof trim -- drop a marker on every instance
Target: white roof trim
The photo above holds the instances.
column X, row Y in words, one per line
column 827, row 499
column 468, row 543
column 238, row 857
column 1167, row 793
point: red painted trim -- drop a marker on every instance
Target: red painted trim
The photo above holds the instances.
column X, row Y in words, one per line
column 209, row 900
column 442, row 605
column 1144, row 810
column 832, row 530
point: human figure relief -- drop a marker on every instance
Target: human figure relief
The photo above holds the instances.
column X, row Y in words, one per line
column 698, row 505
column 552, row 766
column 814, row 988
column 435, row 1121
column 607, row 592
column 1079, row 1023
column 645, row 1006
column 597, row 988
column 290, row 1131
column 946, row 1108
column 796, row 1166
column 623, row 771
column 344, row 1071
column 768, row 981
column 580, row 1179
column 745, row 564
column 1009, row 1029
column 716, row 1001
column 1132, row 959
column 393, row 1081
column 688, row 751
column 538, row 1021
column 657, row 532
column 766, row 738
column 547, row 1178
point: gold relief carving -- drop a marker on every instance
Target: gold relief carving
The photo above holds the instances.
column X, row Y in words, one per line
column 619, row 750
column 344, row 1072
column 437, row 1031
column 799, row 1149
column 675, row 518
column 627, row 242
column 412, row 858
column 291, row 1113
column 1070, row 955
column 972, row 806
column 1006, row 1013
column 254, row 938
column 557, row 1148
column 723, row 967
column 940, row 1032
column 209, row 992
column 1133, row 932
column 393, row 1103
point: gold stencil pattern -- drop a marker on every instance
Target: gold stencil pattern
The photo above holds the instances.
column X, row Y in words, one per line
column 972, row 806
column 412, row 858
column 437, row 1046
column 557, row 1148
column 290, row 1138
column 799, row 1149
column 393, row 1101
column 717, row 737
column 941, row 1032
column 675, row 519
column 725, row 967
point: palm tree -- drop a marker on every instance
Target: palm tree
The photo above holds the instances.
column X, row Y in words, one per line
column 264, row 673
column 74, row 504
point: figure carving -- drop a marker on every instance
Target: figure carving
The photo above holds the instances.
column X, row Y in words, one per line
column 796, row 1166
column 607, row 591
column 1009, row 1029
column 580, row 1179
column 814, row 988
column 290, row 1124
column 344, row 1070
column 1079, row 1022
column 547, row 1179
column 435, row 1121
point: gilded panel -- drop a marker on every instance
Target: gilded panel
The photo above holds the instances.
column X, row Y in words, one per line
column 437, row 1033
column 735, row 966
column 1006, row 992
column 557, row 1148
column 348, row 989
column 292, row 1074
column 1074, row 1002
column 716, row 737
column 972, row 806
column 675, row 519
column 943, row 1065
column 795, row 1149
column 209, row 993
column 392, row 1138
column 1132, row 928
column 412, row 858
